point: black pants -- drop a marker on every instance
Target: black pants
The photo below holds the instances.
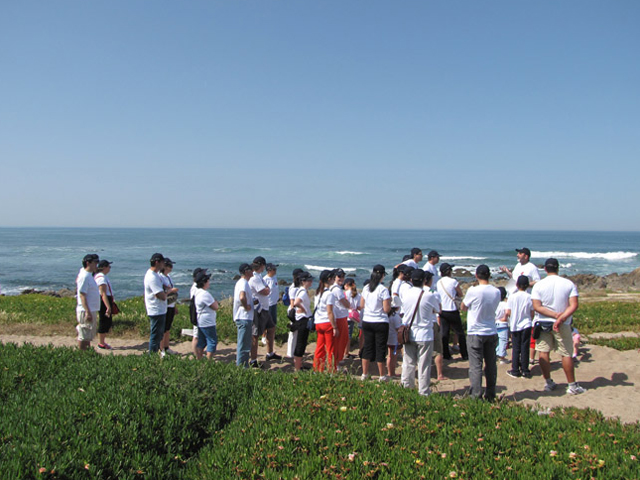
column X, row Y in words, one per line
column 302, row 339
column 452, row 321
column 520, row 354
column 375, row 341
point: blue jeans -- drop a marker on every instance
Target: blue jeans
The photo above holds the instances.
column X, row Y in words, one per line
column 156, row 332
column 503, row 341
column 208, row 337
column 245, row 336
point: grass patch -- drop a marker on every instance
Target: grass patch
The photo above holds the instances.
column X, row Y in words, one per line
column 610, row 317
column 618, row 343
column 82, row 415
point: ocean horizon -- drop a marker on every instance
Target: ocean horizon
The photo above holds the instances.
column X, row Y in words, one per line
column 48, row 258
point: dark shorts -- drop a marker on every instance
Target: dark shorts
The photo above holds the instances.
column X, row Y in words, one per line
column 105, row 323
column 301, row 339
column 262, row 321
column 375, row 341
column 171, row 313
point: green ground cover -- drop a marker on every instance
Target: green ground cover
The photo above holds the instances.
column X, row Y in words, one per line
column 71, row 414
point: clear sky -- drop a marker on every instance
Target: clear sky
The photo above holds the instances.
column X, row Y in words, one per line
column 300, row 113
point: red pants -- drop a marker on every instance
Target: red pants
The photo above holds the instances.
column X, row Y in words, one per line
column 341, row 340
column 324, row 347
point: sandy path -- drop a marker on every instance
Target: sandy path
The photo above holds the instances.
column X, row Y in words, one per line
column 612, row 378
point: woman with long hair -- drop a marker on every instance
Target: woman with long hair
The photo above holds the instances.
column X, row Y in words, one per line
column 293, row 290
column 376, row 305
column 449, row 290
column 302, row 305
column 325, row 322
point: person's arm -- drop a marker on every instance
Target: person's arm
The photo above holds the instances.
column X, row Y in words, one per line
column 332, row 320
column 458, row 292
column 463, row 307
column 562, row 317
column 265, row 291
column 507, row 314
column 105, row 299
column 88, row 316
column 345, row 303
column 386, row 305
column 161, row 295
column 299, row 305
column 243, row 301
column 504, row 269
column 214, row 305
column 547, row 312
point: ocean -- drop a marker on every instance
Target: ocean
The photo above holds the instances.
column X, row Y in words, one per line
column 49, row 258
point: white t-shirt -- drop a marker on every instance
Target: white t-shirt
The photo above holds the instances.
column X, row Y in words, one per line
column 321, row 302
column 102, row 279
column 206, row 315
column 354, row 302
column 293, row 291
column 520, row 305
column 411, row 263
column 373, row 308
column 426, row 316
column 339, row 310
column 482, row 301
column 272, row 283
column 303, row 295
column 87, row 284
column 434, row 271
column 167, row 282
column 500, row 313
column 395, row 321
column 404, row 288
column 529, row 270
column 152, row 286
column 447, row 285
column 395, row 293
column 554, row 292
column 257, row 284
column 239, row 313
column 192, row 290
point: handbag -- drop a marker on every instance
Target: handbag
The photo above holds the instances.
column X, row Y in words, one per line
column 114, row 309
column 540, row 327
column 404, row 332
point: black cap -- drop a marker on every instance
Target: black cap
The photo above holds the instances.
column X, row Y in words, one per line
column 415, row 251
column 202, row 277
column 483, row 271
column 402, row 268
column 259, row 261
column 157, row 257
column 271, row 266
column 551, row 262
column 304, row 276
column 91, row 257
column 446, row 267
column 417, row 274
column 379, row 269
column 326, row 275
column 244, row 267
column 168, row 262
column 522, row 281
column 432, row 254
column 338, row 272
column 524, row 250
column 104, row 263
column 198, row 270
column 297, row 271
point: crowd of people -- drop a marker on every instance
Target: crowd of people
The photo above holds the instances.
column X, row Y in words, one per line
column 416, row 315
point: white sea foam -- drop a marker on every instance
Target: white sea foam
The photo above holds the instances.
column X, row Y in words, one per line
column 347, row 252
column 319, row 269
column 586, row 255
column 462, row 258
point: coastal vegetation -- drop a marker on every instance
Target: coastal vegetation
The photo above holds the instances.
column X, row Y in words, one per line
column 73, row 414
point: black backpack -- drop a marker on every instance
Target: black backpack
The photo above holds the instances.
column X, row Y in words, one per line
column 193, row 311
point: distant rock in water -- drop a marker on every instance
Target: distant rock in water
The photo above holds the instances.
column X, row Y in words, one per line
column 236, row 278
column 461, row 273
column 62, row 293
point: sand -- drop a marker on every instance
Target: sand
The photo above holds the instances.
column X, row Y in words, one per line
column 611, row 377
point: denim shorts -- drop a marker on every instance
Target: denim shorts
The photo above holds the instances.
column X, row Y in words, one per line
column 208, row 336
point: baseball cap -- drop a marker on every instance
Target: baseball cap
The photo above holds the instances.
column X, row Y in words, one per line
column 202, row 276
column 271, row 266
column 244, row 267
column 326, row 275
column 259, row 261
column 522, row 281
column 417, row 274
column 198, row 270
column 432, row 254
column 551, row 262
column 379, row 269
column 104, row 263
column 157, row 257
column 446, row 267
column 524, row 250
column 91, row 257
column 169, row 262
column 338, row 272
column 304, row 276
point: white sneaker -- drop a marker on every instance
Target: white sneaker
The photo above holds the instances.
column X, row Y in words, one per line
column 168, row 351
column 364, row 377
column 162, row 354
column 550, row 385
column 383, row 378
column 575, row 389
column 264, row 340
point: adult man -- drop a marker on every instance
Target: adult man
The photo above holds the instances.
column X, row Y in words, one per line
column 262, row 320
column 433, row 258
column 523, row 267
column 416, row 258
column 88, row 305
column 481, row 302
column 243, row 314
column 555, row 299
column 155, row 301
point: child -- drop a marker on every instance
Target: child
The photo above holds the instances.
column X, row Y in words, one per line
column 502, row 326
column 395, row 321
column 272, row 282
column 519, row 314
column 351, row 293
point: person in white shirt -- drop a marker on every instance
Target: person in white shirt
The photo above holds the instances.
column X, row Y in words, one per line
column 206, row 308
column 155, row 301
column 433, row 258
column 353, row 297
column 523, row 267
column 375, row 305
column 421, row 317
column 325, row 323
column 172, row 309
column 416, row 258
column 555, row 299
column 198, row 352
column 88, row 301
column 271, row 280
column 243, row 315
column 292, row 339
column 519, row 315
column 302, row 304
column 106, row 302
column 502, row 326
column 449, row 290
column 481, row 303
column 341, row 312
column 262, row 321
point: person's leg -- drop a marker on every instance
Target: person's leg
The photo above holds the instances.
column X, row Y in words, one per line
column 567, row 366
column 445, row 326
column 368, row 347
column 516, row 340
column 301, row 346
column 425, row 351
column 156, row 332
column 381, row 335
column 437, row 352
column 525, row 340
column 392, row 359
column 320, row 355
column 409, row 363
column 292, row 341
column 243, row 348
column 475, row 350
column 342, row 340
column 271, row 335
column 490, row 367
column 503, row 340
column 456, row 324
column 211, row 335
column 273, row 311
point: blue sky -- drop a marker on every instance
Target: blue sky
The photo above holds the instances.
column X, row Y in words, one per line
column 350, row 114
